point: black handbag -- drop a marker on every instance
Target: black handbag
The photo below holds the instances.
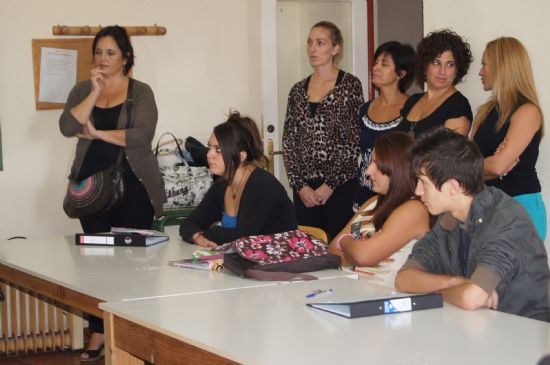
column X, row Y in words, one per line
column 197, row 150
column 102, row 191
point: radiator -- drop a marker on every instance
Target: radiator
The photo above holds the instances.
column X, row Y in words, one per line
column 32, row 323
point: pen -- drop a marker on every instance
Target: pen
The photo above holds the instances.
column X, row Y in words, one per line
column 315, row 293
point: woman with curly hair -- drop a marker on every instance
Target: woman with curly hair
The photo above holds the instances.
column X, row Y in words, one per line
column 443, row 59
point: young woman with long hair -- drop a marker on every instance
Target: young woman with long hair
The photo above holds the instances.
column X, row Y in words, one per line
column 395, row 217
column 509, row 126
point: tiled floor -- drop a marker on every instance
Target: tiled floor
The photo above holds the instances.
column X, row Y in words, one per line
column 53, row 358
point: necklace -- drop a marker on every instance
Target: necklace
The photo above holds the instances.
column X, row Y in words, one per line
column 234, row 192
column 429, row 106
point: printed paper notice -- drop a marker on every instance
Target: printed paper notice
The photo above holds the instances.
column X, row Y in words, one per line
column 57, row 74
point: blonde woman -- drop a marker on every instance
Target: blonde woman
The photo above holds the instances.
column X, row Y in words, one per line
column 509, row 126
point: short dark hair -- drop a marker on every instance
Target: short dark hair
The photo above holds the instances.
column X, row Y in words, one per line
column 122, row 40
column 403, row 57
column 443, row 154
column 393, row 159
column 434, row 44
column 239, row 133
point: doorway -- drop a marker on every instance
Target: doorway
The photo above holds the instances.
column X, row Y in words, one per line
column 286, row 23
column 399, row 20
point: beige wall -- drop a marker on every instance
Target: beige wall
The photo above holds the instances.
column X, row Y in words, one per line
column 207, row 63
column 482, row 21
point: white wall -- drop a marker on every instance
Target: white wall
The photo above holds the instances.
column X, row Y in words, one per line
column 207, row 63
column 483, row 21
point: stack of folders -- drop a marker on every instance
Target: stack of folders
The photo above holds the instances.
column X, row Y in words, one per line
column 122, row 237
column 373, row 307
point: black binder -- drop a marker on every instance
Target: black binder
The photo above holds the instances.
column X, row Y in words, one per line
column 378, row 306
column 119, row 239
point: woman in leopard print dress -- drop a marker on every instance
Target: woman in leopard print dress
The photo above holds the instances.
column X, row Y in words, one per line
column 321, row 136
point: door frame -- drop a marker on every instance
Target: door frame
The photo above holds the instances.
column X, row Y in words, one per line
column 361, row 25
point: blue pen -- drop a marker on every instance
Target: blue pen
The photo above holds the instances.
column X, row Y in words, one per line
column 317, row 292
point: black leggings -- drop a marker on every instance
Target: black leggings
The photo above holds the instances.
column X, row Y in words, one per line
column 332, row 216
column 135, row 211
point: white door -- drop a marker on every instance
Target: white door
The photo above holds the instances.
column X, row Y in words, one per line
column 285, row 26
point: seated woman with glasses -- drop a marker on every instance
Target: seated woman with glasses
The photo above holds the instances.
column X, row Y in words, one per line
column 385, row 227
column 246, row 200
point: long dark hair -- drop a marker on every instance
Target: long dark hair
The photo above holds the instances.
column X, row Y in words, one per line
column 239, row 133
column 393, row 159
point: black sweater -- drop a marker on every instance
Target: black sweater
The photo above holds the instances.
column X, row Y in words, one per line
column 264, row 209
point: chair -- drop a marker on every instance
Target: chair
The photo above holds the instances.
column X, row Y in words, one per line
column 315, row 232
column 171, row 217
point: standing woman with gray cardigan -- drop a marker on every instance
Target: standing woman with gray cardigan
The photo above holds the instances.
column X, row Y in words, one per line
column 95, row 113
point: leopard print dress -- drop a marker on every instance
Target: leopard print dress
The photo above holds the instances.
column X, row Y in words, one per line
column 324, row 145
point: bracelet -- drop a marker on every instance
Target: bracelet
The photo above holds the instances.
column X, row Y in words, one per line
column 340, row 239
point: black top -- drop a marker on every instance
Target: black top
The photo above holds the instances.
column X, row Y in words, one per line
column 264, row 209
column 455, row 106
column 369, row 130
column 313, row 106
column 522, row 179
column 101, row 154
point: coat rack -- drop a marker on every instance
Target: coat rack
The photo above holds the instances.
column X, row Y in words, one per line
column 91, row 31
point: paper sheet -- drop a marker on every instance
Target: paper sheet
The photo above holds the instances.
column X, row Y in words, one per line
column 57, row 74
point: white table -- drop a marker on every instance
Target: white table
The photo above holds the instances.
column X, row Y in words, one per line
column 272, row 325
column 82, row 277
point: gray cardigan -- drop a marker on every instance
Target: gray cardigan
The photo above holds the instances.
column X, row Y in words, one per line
column 138, row 138
column 506, row 253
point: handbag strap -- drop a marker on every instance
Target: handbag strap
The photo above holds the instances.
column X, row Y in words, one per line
column 175, row 140
column 129, row 105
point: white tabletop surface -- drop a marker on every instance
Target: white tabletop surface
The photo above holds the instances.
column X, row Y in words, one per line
column 272, row 325
column 121, row 273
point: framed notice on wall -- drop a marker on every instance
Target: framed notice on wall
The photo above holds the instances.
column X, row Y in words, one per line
column 58, row 64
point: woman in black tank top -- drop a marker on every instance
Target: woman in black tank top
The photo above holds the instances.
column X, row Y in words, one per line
column 509, row 126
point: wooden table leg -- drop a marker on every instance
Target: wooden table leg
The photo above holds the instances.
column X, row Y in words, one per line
column 113, row 354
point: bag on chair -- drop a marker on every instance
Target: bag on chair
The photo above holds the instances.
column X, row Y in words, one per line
column 169, row 153
column 279, row 256
column 102, row 191
column 185, row 185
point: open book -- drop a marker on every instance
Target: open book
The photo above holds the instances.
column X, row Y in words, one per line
column 384, row 305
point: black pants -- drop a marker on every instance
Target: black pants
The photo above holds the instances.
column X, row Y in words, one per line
column 332, row 216
column 135, row 211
